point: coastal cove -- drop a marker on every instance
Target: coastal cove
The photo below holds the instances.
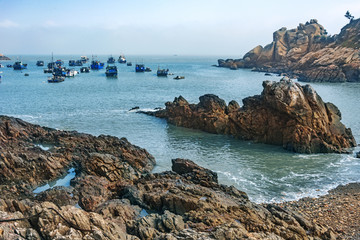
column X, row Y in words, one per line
column 92, row 104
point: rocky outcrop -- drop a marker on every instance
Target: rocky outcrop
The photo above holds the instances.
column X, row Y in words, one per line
column 113, row 195
column 307, row 53
column 285, row 114
column 2, row 57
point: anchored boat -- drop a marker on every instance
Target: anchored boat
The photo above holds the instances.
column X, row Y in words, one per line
column 122, row 59
column 19, row 66
column 162, row 72
column 139, row 68
column 111, row 71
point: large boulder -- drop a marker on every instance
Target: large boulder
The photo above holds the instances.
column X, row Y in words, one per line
column 285, row 114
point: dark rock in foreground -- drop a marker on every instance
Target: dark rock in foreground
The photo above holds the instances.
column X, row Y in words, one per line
column 307, row 53
column 120, row 199
column 285, row 114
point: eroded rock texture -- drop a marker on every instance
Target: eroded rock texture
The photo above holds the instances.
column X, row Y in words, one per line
column 285, row 114
column 307, row 52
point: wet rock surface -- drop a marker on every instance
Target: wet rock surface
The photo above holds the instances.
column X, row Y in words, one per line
column 117, row 201
column 285, row 114
column 307, row 53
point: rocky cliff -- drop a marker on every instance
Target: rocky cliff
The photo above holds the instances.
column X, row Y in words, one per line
column 113, row 195
column 308, row 53
column 285, row 114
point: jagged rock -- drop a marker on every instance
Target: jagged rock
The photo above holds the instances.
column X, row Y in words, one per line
column 26, row 164
column 61, row 196
column 308, row 54
column 223, row 212
column 285, row 114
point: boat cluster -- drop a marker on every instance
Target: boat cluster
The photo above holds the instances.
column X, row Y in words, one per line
column 60, row 72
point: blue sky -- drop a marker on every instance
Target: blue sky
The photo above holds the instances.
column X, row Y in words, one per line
column 184, row 27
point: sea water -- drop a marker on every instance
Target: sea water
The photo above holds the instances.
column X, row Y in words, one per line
column 94, row 104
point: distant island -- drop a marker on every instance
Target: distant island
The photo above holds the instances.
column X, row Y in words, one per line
column 307, row 53
column 2, row 57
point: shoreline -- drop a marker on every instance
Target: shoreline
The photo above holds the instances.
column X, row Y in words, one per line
column 339, row 209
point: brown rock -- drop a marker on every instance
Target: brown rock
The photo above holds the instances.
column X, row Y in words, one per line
column 308, row 53
column 285, row 114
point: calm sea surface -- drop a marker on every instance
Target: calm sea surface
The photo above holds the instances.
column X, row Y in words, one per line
column 94, row 104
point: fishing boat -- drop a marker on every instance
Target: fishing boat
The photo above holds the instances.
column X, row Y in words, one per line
column 72, row 63
column 179, row 77
column 111, row 60
column 56, row 78
column 96, row 65
column 19, row 66
column 84, row 59
column 111, row 71
column 139, row 68
column 9, row 66
column 78, row 63
column 148, row 69
column 122, row 59
column 70, row 72
column 1, row 66
column 162, row 72
column 40, row 63
column 129, row 64
column 84, row 69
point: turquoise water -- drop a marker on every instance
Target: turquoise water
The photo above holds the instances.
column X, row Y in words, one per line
column 94, row 104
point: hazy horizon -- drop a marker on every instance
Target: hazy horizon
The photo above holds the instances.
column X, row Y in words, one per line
column 226, row 28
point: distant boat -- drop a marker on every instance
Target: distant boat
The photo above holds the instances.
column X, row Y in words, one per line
column 139, row 68
column 111, row 71
column 19, row 66
column 78, row 63
column 1, row 66
column 85, row 69
column 162, row 72
column 9, row 66
column 56, row 78
column 70, row 72
column 96, row 65
column 40, row 63
column 84, row 59
column 72, row 63
column 129, row 64
column 122, row 59
column 148, row 69
column 179, row 77
column 111, row 60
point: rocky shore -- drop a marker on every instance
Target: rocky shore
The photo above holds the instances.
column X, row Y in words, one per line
column 285, row 114
column 339, row 209
column 307, row 53
column 114, row 195
column 2, row 57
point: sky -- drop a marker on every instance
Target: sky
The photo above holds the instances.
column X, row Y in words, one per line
column 161, row 27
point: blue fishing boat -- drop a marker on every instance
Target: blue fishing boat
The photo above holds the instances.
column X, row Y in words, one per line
column 111, row 60
column 19, row 66
column 40, row 63
column 122, row 59
column 56, row 79
column 96, row 65
column 139, row 68
column 162, row 72
column 71, row 63
column 111, row 71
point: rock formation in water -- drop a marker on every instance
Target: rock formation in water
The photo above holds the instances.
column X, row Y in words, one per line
column 285, row 114
column 2, row 57
column 307, row 53
column 119, row 198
